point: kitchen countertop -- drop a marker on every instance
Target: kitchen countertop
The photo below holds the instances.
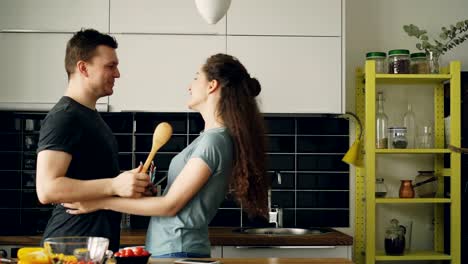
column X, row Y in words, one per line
column 219, row 236
column 266, row 261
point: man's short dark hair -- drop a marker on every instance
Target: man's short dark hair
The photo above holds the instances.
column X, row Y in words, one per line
column 82, row 46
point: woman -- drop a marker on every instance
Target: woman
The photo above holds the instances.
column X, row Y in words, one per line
column 228, row 154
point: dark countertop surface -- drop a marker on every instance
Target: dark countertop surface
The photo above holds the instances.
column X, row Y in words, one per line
column 219, row 236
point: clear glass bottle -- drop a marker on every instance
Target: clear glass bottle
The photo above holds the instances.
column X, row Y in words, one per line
column 381, row 124
column 380, row 188
column 380, row 61
column 424, row 136
column 409, row 121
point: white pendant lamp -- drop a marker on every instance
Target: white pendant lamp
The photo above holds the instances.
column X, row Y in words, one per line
column 212, row 10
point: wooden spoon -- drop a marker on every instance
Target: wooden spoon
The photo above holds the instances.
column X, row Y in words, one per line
column 162, row 134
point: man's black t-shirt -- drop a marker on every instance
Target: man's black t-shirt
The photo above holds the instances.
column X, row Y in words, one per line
column 73, row 128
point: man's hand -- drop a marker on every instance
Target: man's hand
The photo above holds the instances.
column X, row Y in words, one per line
column 84, row 207
column 130, row 184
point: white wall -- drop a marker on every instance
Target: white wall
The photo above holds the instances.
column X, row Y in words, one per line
column 376, row 25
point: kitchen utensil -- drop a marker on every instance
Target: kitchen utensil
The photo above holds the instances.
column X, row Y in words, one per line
column 425, row 184
column 88, row 249
column 406, row 189
column 162, row 134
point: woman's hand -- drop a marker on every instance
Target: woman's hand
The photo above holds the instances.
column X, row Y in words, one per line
column 83, row 207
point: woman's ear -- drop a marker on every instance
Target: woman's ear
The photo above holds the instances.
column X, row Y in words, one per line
column 213, row 86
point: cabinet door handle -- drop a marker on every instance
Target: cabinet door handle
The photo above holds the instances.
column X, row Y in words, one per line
column 289, row 247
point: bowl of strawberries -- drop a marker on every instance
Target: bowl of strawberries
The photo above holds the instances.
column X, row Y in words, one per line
column 132, row 255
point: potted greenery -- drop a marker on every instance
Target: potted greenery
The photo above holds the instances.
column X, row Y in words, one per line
column 447, row 40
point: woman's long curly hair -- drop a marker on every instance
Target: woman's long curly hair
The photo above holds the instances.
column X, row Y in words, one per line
column 238, row 109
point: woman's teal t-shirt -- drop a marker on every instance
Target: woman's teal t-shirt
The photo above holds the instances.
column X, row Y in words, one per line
column 188, row 230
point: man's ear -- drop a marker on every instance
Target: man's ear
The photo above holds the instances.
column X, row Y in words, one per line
column 82, row 68
column 213, row 86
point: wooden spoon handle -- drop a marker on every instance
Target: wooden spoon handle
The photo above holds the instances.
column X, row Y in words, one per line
column 148, row 160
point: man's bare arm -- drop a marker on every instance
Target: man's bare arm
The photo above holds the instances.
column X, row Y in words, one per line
column 53, row 186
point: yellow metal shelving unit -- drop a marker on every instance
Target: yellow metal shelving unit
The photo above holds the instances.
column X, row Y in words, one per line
column 365, row 205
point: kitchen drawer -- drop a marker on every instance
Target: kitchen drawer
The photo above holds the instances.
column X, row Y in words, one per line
column 287, row 252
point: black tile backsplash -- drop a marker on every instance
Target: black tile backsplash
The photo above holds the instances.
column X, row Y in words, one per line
column 321, row 162
column 281, row 162
column 305, row 152
column 10, row 199
column 282, row 199
column 281, row 144
column 322, row 181
column 125, row 142
column 147, row 122
column 282, row 180
column 322, row 144
column 227, row 217
column 322, row 218
column 322, row 126
column 126, row 161
column 10, row 142
column 10, row 179
column 280, row 125
column 196, row 123
column 10, row 160
column 121, row 123
column 322, row 199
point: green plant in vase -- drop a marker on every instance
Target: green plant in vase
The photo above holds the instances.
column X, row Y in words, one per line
column 448, row 39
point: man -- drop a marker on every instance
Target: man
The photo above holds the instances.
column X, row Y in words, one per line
column 77, row 152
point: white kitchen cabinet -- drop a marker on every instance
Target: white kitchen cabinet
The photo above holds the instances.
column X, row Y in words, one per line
column 156, row 70
column 287, row 252
column 160, row 16
column 297, row 74
column 285, row 17
column 54, row 15
column 33, row 73
column 33, row 67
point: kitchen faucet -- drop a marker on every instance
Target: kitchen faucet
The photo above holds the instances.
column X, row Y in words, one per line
column 275, row 214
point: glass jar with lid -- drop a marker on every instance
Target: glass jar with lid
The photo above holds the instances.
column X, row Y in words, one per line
column 380, row 59
column 399, row 61
column 397, row 137
column 419, row 63
column 395, row 238
column 380, row 188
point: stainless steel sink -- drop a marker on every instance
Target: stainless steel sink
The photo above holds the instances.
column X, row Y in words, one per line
column 283, row 231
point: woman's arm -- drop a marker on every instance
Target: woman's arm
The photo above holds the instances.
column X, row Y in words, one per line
column 192, row 178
